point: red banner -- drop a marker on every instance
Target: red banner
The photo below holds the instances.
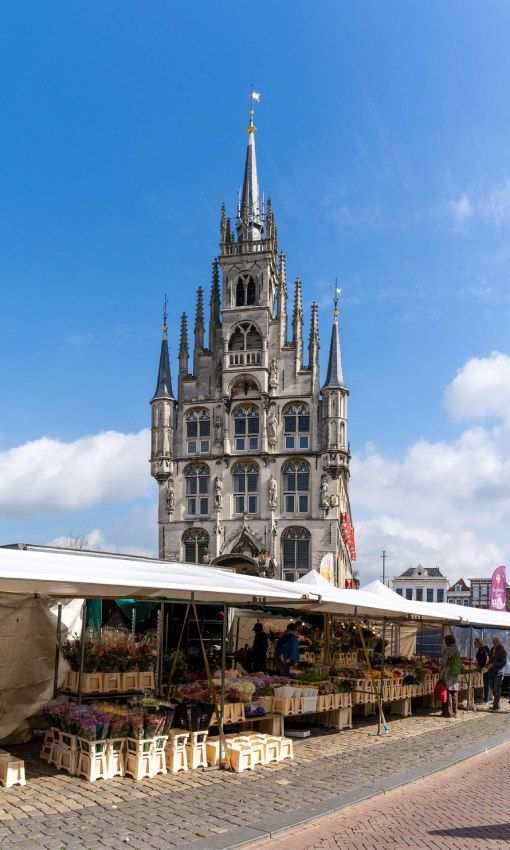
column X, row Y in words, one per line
column 347, row 532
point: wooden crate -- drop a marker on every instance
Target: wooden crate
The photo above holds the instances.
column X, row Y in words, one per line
column 233, row 712
column 92, row 760
column 70, row 682
column 115, row 757
column 112, row 682
column 12, row 771
column 146, row 680
column 92, row 683
column 130, row 681
column 267, row 702
column 284, row 705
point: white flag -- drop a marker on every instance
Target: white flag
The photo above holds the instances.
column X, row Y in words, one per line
column 255, row 95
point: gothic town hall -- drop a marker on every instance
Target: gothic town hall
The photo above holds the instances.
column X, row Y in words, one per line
column 251, row 457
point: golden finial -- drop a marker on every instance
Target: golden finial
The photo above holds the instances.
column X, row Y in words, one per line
column 336, row 298
column 254, row 96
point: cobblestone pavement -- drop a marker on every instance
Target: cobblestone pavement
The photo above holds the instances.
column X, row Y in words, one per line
column 467, row 806
column 56, row 811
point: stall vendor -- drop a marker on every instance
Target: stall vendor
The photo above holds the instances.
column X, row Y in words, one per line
column 259, row 649
column 287, row 650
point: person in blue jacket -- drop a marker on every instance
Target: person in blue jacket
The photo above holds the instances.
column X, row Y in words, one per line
column 287, row 650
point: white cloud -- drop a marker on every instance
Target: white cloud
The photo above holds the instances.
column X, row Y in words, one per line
column 461, row 208
column 51, row 475
column 96, row 540
column 446, row 503
column 480, row 389
column 483, row 204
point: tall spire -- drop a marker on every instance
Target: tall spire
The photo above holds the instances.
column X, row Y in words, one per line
column 249, row 220
column 297, row 325
column 215, row 295
column 183, row 346
column 334, row 376
column 164, row 385
column 199, row 319
column 297, row 315
column 313, row 345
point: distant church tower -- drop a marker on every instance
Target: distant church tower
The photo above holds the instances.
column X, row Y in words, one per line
column 252, row 458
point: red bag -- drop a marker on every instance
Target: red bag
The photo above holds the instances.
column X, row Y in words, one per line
column 441, row 691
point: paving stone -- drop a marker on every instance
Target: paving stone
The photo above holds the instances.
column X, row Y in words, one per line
column 216, row 806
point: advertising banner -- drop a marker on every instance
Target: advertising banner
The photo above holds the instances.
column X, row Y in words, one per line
column 498, row 589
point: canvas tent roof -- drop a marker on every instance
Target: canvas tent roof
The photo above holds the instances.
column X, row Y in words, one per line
column 467, row 614
column 479, row 616
column 368, row 603
column 68, row 574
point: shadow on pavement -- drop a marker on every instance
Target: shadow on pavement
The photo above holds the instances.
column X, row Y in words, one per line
column 485, row 832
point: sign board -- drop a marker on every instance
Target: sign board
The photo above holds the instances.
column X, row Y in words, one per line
column 498, row 589
column 327, row 567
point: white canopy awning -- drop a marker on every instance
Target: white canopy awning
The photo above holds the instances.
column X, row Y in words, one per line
column 467, row 614
column 373, row 602
column 479, row 616
column 69, row 574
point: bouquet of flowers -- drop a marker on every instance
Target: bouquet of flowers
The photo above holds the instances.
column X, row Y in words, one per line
column 136, row 724
column 120, row 723
column 153, row 724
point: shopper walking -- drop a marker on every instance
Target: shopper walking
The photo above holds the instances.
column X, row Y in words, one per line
column 451, row 668
column 497, row 664
column 482, row 660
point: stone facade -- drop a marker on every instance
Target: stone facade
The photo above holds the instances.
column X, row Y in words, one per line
column 252, row 458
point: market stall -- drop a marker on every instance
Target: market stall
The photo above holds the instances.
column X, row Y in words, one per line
column 155, row 722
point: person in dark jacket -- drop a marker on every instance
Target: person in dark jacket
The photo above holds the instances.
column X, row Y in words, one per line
column 259, row 649
column 482, row 660
column 497, row 664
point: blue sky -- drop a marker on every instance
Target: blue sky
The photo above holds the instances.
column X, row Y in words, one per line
column 383, row 141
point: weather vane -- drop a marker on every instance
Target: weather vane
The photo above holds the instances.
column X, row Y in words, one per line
column 165, row 315
column 336, row 297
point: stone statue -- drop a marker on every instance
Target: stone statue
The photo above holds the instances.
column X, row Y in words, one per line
column 218, row 428
column 333, row 500
column 273, row 492
column 324, row 497
column 170, row 497
column 218, row 492
column 273, row 373
column 272, row 428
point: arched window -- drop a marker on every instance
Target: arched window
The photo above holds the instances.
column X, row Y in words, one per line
column 198, row 431
column 245, row 346
column 197, row 490
column 296, row 426
column 246, row 291
column 295, row 553
column 246, row 488
column 246, row 429
column 296, row 486
column 196, row 545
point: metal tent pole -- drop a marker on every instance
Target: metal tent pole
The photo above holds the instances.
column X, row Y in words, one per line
column 381, row 685
column 469, row 671
column 57, row 650
column 223, row 666
column 159, row 663
column 82, row 648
